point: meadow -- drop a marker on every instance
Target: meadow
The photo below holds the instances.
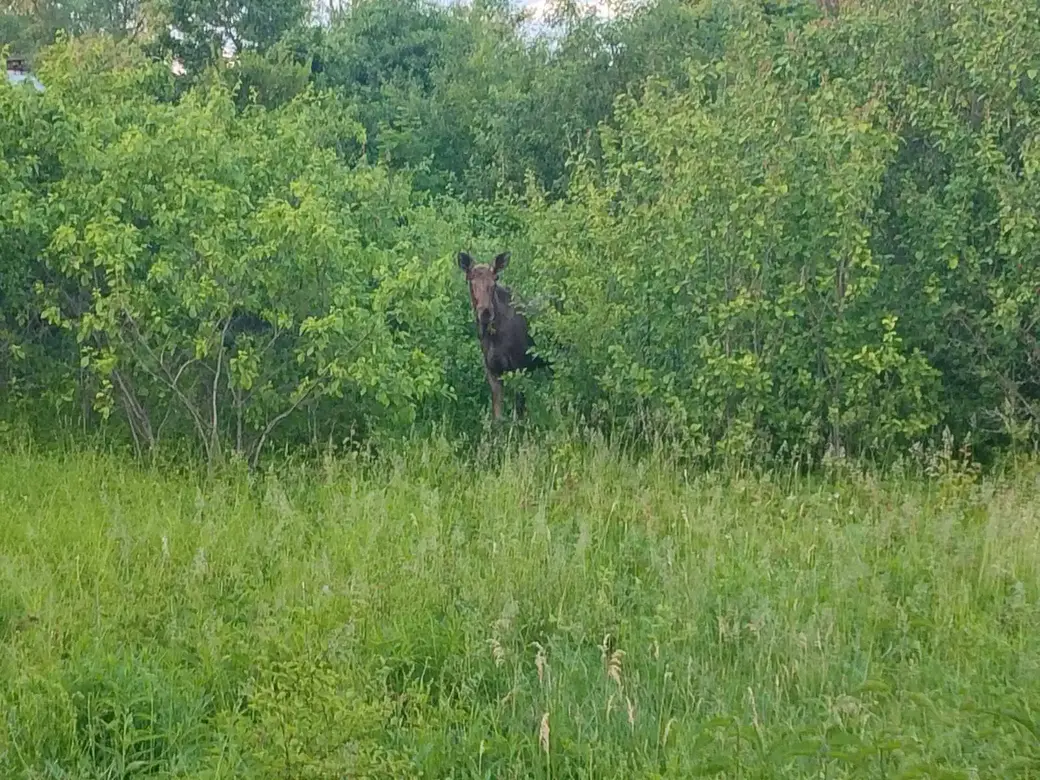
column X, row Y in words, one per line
column 766, row 232
column 558, row 608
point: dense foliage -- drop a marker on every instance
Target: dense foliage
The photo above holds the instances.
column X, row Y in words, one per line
column 782, row 228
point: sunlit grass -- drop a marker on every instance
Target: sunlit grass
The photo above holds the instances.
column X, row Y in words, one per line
column 558, row 610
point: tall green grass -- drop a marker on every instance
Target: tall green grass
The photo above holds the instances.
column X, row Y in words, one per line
column 553, row 610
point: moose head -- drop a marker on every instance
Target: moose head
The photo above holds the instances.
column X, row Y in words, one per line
column 483, row 287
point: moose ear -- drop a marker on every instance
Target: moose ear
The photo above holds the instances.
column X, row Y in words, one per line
column 501, row 262
column 465, row 261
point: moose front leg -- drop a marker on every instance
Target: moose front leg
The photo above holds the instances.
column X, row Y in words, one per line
column 496, row 395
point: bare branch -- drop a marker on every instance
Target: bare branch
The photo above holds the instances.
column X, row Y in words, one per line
column 271, row 425
column 214, row 427
column 180, row 371
column 1007, row 384
column 140, row 425
column 314, row 384
column 167, row 380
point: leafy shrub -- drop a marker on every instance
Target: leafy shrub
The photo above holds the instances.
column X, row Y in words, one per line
column 814, row 245
column 218, row 270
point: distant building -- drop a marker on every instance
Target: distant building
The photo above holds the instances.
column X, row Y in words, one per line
column 18, row 73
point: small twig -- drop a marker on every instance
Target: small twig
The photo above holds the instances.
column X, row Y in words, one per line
column 271, row 425
column 196, row 418
column 180, row 371
column 1009, row 385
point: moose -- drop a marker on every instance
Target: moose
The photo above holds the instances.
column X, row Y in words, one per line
column 503, row 332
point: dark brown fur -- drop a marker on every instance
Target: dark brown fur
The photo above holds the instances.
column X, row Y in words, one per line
column 504, row 337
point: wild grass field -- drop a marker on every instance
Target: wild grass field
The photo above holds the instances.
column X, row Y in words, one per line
column 551, row 610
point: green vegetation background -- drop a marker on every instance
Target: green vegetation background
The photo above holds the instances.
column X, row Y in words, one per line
column 763, row 231
column 764, row 245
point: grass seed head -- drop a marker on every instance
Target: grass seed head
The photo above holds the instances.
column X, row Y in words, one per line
column 543, row 734
column 540, row 663
column 498, row 653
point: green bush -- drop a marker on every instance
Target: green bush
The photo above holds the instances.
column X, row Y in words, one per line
column 823, row 243
column 218, row 270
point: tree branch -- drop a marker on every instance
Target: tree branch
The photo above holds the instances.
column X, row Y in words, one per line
column 315, row 383
column 214, row 428
column 271, row 425
column 168, row 380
